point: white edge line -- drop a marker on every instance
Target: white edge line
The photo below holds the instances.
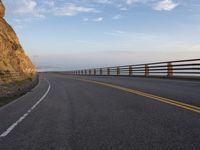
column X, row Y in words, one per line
column 18, row 99
column 4, row 134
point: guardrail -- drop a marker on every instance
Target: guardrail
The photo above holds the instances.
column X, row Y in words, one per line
column 169, row 69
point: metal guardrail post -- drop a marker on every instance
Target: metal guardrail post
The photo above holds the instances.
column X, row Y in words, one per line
column 118, row 71
column 146, row 70
column 85, row 72
column 89, row 72
column 101, row 72
column 94, row 72
column 108, row 71
column 130, row 71
column 169, row 70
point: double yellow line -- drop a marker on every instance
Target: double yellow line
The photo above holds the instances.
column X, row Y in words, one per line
column 147, row 95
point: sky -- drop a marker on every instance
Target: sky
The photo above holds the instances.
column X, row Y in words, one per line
column 79, row 34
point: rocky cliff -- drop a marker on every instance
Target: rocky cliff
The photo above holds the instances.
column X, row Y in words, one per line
column 14, row 64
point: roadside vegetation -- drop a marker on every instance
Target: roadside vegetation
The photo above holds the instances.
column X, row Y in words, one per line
column 11, row 91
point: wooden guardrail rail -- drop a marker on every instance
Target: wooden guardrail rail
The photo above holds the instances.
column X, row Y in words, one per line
column 169, row 69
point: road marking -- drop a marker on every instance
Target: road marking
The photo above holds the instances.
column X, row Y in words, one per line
column 144, row 94
column 4, row 134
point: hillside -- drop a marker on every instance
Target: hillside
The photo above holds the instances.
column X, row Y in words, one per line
column 14, row 63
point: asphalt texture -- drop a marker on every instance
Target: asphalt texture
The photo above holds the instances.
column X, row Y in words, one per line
column 78, row 115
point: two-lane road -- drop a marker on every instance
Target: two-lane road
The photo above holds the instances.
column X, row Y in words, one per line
column 103, row 113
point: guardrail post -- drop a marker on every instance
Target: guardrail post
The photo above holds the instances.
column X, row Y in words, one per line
column 94, row 72
column 169, row 70
column 118, row 71
column 101, row 72
column 130, row 71
column 146, row 70
column 85, row 72
column 81, row 72
column 89, row 72
column 108, row 71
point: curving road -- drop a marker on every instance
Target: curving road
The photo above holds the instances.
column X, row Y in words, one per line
column 103, row 113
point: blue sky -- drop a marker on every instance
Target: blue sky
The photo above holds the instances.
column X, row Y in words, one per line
column 66, row 34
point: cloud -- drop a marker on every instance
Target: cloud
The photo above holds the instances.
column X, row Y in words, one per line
column 70, row 9
column 117, row 17
column 36, row 9
column 99, row 19
column 85, row 19
column 166, row 5
column 50, row 3
column 130, row 2
column 117, row 33
column 40, row 9
column 159, row 5
column 123, row 8
column 104, row 1
column 25, row 7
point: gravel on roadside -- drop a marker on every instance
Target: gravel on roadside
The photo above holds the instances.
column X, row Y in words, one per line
column 10, row 92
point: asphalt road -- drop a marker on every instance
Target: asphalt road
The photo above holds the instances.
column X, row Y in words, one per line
column 103, row 113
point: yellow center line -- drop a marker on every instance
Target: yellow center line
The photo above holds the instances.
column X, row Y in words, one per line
column 147, row 95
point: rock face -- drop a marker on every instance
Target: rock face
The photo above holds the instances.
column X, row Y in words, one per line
column 14, row 64
column 2, row 10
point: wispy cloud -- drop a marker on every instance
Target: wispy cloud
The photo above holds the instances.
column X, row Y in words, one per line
column 50, row 3
column 99, row 19
column 117, row 17
column 116, row 33
column 41, row 9
column 104, row 1
column 71, row 9
column 26, row 8
column 165, row 5
column 85, row 19
column 38, row 9
column 130, row 2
